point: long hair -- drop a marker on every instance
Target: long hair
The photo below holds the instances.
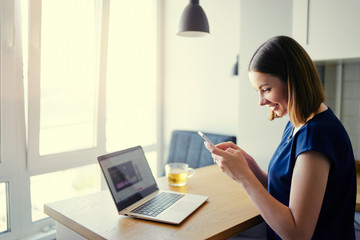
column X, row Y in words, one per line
column 284, row 58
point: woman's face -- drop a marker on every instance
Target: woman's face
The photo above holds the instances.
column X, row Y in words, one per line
column 272, row 92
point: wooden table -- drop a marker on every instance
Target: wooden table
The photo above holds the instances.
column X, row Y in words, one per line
column 228, row 211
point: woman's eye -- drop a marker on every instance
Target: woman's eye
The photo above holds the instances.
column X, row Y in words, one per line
column 265, row 90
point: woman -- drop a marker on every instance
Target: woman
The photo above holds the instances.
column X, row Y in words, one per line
column 309, row 190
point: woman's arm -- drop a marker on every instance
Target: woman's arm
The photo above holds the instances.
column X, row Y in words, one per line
column 308, row 186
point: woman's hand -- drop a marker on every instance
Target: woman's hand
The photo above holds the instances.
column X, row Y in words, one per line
column 231, row 159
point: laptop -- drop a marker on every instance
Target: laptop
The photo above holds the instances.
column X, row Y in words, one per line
column 134, row 189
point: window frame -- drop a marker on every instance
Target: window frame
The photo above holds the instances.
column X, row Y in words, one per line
column 13, row 137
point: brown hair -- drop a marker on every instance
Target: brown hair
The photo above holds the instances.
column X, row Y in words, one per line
column 284, row 58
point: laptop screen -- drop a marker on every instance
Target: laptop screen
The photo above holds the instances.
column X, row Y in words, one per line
column 128, row 176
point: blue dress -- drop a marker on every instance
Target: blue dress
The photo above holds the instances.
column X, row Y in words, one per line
column 325, row 134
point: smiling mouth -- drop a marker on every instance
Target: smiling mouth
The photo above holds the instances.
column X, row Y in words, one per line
column 274, row 107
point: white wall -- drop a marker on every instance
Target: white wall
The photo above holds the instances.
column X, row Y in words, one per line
column 200, row 93
column 260, row 20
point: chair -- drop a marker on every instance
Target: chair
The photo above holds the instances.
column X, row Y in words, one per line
column 188, row 147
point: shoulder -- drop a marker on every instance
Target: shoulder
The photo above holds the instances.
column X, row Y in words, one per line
column 324, row 125
column 325, row 134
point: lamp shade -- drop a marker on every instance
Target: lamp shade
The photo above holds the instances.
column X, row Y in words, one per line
column 193, row 22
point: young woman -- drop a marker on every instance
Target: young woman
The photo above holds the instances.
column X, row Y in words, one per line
column 309, row 190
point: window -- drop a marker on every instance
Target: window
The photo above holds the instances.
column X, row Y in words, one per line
column 72, row 112
column 63, row 80
column 70, row 78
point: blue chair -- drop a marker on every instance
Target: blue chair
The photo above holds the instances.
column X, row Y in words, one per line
column 188, row 147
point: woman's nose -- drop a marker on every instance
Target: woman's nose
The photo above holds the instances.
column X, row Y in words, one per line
column 262, row 100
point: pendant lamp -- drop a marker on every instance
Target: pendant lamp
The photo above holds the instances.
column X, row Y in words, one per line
column 193, row 22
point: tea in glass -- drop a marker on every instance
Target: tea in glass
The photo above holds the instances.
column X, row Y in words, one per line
column 178, row 173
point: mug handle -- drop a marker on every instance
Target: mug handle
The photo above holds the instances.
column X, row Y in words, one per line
column 191, row 172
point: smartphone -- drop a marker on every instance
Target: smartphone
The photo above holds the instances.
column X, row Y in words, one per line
column 206, row 139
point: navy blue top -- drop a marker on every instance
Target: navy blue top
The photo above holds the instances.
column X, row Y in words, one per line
column 325, row 134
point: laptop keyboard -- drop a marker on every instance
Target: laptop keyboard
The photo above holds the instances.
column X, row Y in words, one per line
column 158, row 204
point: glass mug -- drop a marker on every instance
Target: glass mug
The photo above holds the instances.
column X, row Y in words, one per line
column 178, row 173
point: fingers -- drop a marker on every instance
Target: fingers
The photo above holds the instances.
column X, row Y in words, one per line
column 218, row 154
column 215, row 158
column 226, row 145
column 230, row 150
column 223, row 153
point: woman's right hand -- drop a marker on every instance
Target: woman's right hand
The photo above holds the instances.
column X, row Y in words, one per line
column 251, row 163
column 226, row 145
column 230, row 159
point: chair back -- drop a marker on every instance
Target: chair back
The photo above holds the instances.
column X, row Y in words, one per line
column 188, row 147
